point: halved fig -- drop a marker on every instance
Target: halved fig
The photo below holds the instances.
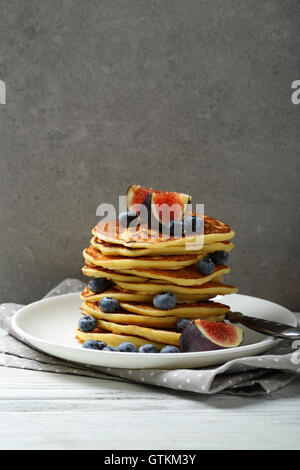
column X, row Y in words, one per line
column 205, row 335
column 136, row 195
column 166, row 206
column 169, row 206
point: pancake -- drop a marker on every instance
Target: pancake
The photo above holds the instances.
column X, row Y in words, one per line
column 192, row 310
column 142, row 237
column 161, row 281
column 119, row 250
column 188, row 276
column 96, row 271
column 93, row 257
column 92, row 308
column 131, row 296
column 117, row 294
column 113, row 339
column 210, row 288
column 150, row 334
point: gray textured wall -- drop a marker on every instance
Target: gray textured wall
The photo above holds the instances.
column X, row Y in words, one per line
column 187, row 95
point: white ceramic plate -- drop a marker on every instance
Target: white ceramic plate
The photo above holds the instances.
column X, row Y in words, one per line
column 49, row 325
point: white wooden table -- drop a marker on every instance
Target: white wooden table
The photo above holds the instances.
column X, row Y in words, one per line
column 40, row 410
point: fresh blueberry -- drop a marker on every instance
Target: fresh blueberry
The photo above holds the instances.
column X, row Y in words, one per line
column 165, row 301
column 192, row 224
column 87, row 323
column 205, row 266
column 182, row 324
column 92, row 344
column 101, row 344
column 147, row 348
column 219, row 257
column 125, row 218
column 108, row 304
column 100, row 284
column 175, row 228
column 169, row 349
column 109, row 348
column 127, row 347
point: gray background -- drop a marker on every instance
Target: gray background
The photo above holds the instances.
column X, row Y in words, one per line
column 191, row 95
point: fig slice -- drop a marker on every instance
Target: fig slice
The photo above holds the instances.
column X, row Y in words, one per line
column 205, row 335
column 169, row 206
column 136, row 195
column 164, row 206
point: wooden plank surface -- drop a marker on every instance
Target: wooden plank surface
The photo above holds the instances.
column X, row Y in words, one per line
column 40, row 410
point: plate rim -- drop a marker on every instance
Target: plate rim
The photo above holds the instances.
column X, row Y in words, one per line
column 268, row 341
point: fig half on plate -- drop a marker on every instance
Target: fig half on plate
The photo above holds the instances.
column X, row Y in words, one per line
column 205, row 335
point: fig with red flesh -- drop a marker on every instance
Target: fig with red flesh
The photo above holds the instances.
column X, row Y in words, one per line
column 164, row 206
column 205, row 335
column 136, row 195
column 169, row 206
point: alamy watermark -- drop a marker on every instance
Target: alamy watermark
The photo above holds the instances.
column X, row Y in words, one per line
column 2, row 92
column 295, row 96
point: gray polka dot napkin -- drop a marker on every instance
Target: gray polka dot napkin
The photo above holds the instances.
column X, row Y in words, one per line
column 245, row 376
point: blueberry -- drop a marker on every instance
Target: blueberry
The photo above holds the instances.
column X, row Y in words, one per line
column 101, row 344
column 87, row 323
column 127, row 347
column 108, row 304
column 100, row 284
column 109, row 348
column 175, row 228
column 169, row 349
column 182, row 324
column 205, row 266
column 125, row 218
column 165, row 301
column 192, row 224
column 219, row 257
column 92, row 344
column 147, row 348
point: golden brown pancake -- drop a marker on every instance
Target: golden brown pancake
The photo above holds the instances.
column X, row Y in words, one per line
column 191, row 310
column 117, row 294
column 151, row 287
column 188, row 276
column 97, row 271
column 142, row 237
column 120, row 250
column 114, row 339
column 138, row 314
column 132, row 296
column 93, row 257
column 151, row 334
column 92, row 308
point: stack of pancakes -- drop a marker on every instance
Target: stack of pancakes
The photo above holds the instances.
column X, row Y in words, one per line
column 142, row 264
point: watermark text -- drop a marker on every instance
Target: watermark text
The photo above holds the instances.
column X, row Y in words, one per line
column 2, row 92
column 295, row 97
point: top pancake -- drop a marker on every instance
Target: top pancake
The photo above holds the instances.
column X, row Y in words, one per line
column 143, row 237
